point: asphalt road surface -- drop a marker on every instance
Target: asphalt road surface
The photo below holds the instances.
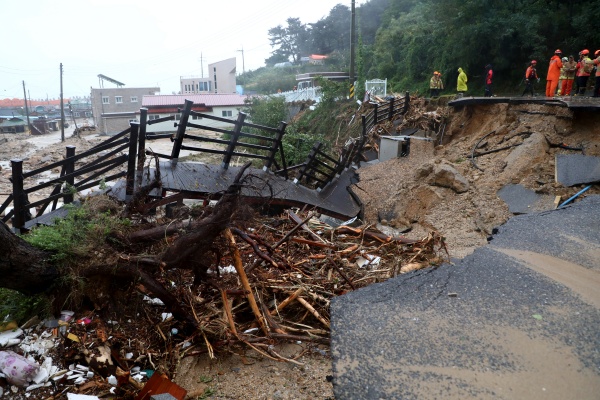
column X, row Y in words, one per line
column 517, row 319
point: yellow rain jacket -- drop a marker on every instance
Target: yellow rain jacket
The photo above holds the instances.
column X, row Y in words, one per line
column 461, row 84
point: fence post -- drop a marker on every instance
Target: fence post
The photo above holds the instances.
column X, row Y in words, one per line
column 69, row 169
column 131, row 160
column 406, row 102
column 141, row 154
column 233, row 141
column 376, row 114
column 391, row 109
column 19, row 200
column 275, row 147
column 181, row 131
column 142, row 139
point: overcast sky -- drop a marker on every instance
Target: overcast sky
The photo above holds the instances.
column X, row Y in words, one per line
column 139, row 43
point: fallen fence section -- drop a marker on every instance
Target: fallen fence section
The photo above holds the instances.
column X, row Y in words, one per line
column 322, row 181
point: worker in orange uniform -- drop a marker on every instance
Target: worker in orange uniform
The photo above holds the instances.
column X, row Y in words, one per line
column 553, row 73
column 530, row 77
column 569, row 68
column 597, row 64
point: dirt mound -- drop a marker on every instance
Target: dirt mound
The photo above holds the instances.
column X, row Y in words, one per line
column 419, row 192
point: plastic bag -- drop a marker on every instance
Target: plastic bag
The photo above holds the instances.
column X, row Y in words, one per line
column 17, row 369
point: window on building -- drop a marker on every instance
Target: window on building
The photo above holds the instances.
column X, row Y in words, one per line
column 153, row 117
column 133, row 120
column 196, row 117
column 76, row 115
column 118, row 99
column 134, row 99
column 105, row 100
column 204, row 87
column 177, row 116
column 227, row 113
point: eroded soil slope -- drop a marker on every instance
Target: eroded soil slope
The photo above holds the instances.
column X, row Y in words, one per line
column 407, row 194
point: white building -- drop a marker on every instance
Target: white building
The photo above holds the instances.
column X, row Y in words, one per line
column 221, row 79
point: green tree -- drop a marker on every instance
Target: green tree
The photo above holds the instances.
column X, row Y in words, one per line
column 289, row 42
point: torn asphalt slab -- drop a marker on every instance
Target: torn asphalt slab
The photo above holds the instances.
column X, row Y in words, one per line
column 490, row 326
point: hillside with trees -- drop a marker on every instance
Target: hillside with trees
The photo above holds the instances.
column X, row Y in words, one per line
column 406, row 40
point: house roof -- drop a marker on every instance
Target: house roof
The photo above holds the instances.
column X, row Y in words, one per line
column 210, row 100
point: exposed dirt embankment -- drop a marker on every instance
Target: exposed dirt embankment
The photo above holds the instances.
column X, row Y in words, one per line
column 438, row 187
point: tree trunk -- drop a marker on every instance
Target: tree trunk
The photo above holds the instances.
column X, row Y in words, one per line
column 23, row 267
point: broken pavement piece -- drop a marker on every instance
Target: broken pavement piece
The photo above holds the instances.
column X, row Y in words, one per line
column 521, row 200
column 576, row 169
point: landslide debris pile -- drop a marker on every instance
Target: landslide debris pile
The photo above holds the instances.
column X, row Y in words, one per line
column 438, row 187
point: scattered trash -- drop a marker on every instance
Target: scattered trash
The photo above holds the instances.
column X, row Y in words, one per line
column 17, row 369
column 160, row 384
column 66, row 315
column 368, row 260
column 537, row 316
column 73, row 396
column 10, row 338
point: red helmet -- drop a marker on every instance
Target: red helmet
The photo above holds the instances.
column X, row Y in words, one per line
column 597, row 52
column 558, row 51
column 585, row 52
column 533, row 62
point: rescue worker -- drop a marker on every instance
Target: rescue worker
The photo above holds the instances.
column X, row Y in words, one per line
column 584, row 69
column 553, row 73
column 570, row 67
column 436, row 84
column 488, row 81
column 461, row 83
column 563, row 75
column 530, row 76
column 597, row 64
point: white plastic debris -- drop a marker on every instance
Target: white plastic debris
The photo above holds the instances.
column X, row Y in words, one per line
column 10, row 336
column 166, row 316
column 112, row 380
column 73, row 396
column 368, row 260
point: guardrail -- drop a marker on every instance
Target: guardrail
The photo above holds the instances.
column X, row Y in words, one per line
column 311, row 93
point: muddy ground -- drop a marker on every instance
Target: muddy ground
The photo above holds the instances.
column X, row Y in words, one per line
column 400, row 195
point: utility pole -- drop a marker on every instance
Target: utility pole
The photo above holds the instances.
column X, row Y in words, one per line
column 352, row 45
column 26, row 108
column 62, row 108
column 243, row 63
column 201, row 66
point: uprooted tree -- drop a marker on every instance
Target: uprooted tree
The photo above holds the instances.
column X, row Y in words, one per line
column 30, row 270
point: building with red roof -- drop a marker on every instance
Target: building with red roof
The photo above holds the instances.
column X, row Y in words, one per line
column 224, row 105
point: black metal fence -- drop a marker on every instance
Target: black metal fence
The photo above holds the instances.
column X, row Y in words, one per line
column 112, row 162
